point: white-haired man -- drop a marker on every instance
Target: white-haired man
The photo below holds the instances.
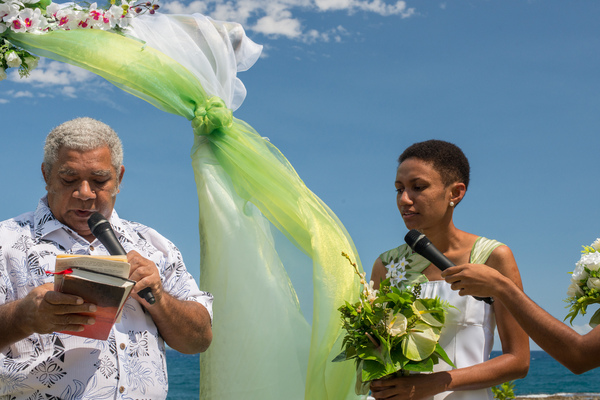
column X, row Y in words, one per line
column 83, row 168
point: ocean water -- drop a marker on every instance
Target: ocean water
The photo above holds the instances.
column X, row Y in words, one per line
column 546, row 376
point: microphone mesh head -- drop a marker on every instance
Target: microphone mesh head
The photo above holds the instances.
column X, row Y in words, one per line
column 412, row 237
column 96, row 219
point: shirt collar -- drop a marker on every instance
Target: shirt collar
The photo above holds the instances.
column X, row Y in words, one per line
column 45, row 224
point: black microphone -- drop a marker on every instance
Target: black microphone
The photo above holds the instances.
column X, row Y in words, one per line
column 423, row 246
column 102, row 230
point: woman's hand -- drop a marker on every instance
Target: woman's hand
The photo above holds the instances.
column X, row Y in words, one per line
column 412, row 387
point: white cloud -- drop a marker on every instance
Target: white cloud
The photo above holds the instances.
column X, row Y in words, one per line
column 276, row 18
column 177, row 7
column 270, row 25
column 3, row 101
column 23, row 93
column 69, row 91
column 51, row 73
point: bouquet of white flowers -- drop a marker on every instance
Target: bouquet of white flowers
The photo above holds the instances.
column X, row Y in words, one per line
column 391, row 332
column 585, row 284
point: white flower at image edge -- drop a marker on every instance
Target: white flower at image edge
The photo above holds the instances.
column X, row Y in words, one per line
column 594, row 283
column 590, row 261
column 31, row 62
column 596, row 244
column 2, row 74
column 574, row 291
column 12, row 59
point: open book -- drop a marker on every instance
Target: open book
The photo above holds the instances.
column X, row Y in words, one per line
column 100, row 280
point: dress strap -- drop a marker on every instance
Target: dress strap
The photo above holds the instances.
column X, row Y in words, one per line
column 482, row 249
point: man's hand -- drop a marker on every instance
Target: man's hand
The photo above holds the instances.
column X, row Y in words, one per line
column 184, row 325
column 45, row 311
column 145, row 273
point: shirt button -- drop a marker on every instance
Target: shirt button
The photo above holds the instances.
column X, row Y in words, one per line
column 122, row 346
column 121, row 389
column 91, row 248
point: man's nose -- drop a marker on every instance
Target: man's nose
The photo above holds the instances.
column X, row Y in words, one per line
column 84, row 191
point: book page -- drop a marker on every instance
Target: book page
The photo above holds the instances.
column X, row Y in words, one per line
column 111, row 265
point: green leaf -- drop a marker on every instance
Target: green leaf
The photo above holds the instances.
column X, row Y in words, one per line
column 421, row 366
column 595, row 320
column 374, row 370
column 442, row 353
column 340, row 357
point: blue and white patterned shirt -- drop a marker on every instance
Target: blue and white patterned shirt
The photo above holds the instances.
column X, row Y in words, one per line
column 131, row 364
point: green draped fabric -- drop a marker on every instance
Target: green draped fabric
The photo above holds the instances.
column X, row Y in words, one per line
column 241, row 177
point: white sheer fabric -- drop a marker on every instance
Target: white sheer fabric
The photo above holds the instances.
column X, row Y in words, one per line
column 213, row 51
column 260, row 338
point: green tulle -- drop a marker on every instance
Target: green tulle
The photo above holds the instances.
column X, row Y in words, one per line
column 261, row 339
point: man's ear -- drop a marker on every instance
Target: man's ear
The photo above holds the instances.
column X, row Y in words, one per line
column 457, row 192
column 44, row 174
column 120, row 177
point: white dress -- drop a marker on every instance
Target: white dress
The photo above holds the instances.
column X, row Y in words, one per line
column 468, row 333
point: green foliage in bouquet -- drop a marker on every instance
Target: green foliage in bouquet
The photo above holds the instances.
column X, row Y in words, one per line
column 390, row 331
column 504, row 391
column 584, row 289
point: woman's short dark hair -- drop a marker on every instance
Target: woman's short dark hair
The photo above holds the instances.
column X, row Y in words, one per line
column 447, row 158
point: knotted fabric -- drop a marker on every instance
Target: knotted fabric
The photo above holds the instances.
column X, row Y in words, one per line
column 212, row 114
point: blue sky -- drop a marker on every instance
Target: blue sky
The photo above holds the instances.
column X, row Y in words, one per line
column 342, row 88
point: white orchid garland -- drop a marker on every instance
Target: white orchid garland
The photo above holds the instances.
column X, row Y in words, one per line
column 41, row 16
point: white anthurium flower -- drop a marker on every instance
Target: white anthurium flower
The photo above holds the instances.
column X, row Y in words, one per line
column 396, row 323
column 574, row 290
column 12, row 59
column 425, row 315
column 3, row 75
column 420, row 342
column 593, row 283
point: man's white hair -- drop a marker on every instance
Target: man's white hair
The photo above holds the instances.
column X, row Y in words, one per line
column 82, row 134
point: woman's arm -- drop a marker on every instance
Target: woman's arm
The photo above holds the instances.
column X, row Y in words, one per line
column 512, row 364
column 574, row 351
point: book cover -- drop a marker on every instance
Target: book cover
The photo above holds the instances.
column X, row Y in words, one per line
column 108, row 292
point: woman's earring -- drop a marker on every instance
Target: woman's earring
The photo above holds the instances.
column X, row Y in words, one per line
column 451, row 204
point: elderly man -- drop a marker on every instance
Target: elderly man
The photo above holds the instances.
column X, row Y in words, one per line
column 83, row 168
